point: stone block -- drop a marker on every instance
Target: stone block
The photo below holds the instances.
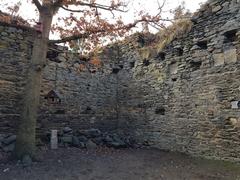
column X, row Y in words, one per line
column 83, row 139
column 67, row 139
column 230, row 56
column 9, row 148
column 9, row 140
column 218, row 59
column 216, row 9
column 67, row 130
column 233, row 121
column 75, row 141
column 173, row 68
column 90, row 132
column 54, row 139
column 90, row 145
column 26, row 161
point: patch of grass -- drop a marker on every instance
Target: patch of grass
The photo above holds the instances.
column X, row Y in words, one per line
column 147, row 52
column 176, row 30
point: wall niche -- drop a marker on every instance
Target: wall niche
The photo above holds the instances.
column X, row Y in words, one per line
column 202, row 45
column 195, row 65
column 160, row 111
column 52, row 55
column 115, row 70
column 146, row 62
column 230, row 36
column 235, row 104
column 161, row 56
column 132, row 64
column 178, row 51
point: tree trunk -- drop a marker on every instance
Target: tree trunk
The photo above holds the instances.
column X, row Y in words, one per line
column 26, row 135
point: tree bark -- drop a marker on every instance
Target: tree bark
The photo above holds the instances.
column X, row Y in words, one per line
column 26, row 135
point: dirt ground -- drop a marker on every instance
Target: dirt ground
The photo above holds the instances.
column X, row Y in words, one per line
column 125, row 164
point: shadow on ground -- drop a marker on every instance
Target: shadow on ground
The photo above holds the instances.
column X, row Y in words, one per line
column 125, row 164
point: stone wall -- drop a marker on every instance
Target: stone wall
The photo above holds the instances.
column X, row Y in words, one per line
column 15, row 53
column 85, row 91
column 184, row 98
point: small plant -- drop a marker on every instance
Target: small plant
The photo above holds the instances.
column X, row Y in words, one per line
column 176, row 30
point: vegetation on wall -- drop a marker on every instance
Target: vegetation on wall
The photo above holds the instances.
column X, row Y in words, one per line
column 177, row 29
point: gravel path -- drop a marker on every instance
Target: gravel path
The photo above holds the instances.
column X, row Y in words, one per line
column 125, row 164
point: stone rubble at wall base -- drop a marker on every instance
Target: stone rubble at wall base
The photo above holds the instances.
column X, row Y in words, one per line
column 88, row 138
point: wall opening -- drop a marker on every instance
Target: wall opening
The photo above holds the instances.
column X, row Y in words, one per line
column 132, row 64
column 178, row 51
column 146, row 62
column 235, row 104
column 202, row 44
column 161, row 56
column 52, row 56
column 115, row 70
column 121, row 66
column 160, row 111
column 174, row 79
column 31, row 49
column 195, row 65
column 230, row 36
column 88, row 86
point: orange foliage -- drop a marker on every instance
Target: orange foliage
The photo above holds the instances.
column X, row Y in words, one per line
column 7, row 18
column 82, row 67
column 96, row 62
column 86, row 19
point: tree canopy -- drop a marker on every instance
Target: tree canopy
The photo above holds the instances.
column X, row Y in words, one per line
column 88, row 20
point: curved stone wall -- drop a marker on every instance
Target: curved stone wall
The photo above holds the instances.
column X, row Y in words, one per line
column 184, row 98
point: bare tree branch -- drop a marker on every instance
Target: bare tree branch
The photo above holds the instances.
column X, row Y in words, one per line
column 74, row 37
column 100, row 6
column 37, row 4
column 160, row 6
column 59, row 3
column 71, row 10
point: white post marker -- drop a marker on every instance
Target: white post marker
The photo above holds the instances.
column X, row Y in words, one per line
column 54, row 139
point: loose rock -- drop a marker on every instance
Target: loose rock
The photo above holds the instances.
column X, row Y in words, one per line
column 91, row 145
column 9, row 140
column 26, row 161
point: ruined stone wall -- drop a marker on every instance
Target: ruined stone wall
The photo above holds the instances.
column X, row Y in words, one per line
column 86, row 92
column 185, row 97
column 15, row 53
